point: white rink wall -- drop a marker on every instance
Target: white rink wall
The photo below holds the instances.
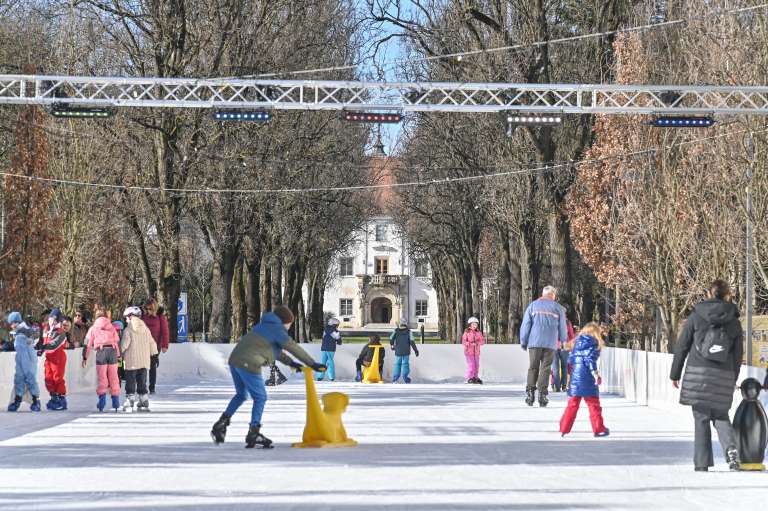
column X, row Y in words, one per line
column 640, row 376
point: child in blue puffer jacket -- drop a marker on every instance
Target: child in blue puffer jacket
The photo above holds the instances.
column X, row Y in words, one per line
column 26, row 362
column 585, row 380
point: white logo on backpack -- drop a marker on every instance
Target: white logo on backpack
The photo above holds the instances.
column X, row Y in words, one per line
column 716, row 349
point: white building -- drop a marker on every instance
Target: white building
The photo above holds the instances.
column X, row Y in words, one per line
column 376, row 280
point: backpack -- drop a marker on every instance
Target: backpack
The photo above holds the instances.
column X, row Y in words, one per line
column 716, row 344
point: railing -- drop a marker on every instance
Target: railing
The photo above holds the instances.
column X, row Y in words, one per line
column 385, row 280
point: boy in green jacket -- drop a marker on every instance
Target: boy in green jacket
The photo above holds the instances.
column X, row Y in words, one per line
column 259, row 348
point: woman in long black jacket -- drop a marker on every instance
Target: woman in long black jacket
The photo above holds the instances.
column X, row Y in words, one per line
column 708, row 386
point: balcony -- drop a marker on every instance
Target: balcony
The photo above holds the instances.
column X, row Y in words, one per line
column 385, row 280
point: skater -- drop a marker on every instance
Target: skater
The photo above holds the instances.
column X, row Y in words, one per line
column 585, row 380
column 401, row 340
column 472, row 340
column 259, row 348
column 158, row 326
column 543, row 324
column 103, row 338
column 560, row 362
column 25, row 377
column 711, row 340
column 137, row 347
column 331, row 338
column 54, row 344
column 366, row 357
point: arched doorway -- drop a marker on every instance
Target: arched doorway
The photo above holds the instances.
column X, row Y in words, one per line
column 381, row 310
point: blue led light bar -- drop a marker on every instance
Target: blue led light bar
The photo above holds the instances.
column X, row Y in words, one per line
column 64, row 112
column 683, row 122
column 241, row 115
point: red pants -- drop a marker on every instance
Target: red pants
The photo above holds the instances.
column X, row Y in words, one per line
column 595, row 414
column 55, row 365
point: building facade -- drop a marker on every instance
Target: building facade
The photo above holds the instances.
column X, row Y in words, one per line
column 376, row 282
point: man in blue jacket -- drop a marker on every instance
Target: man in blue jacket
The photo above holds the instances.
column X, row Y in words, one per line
column 543, row 324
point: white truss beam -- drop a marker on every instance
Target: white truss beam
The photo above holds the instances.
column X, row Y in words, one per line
column 383, row 96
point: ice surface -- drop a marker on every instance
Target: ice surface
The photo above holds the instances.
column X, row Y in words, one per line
column 422, row 447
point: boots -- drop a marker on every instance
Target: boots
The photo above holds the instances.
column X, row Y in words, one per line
column 543, row 399
column 143, row 405
column 129, row 403
column 35, row 406
column 116, row 402
column 53, row 403
column 254, row 437
column 530, row 395
column 732, row 455
column 102, row 402
column 62, row 402
column 219, row 429
column 14, row 406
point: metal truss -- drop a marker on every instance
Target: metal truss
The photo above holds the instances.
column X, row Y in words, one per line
column 384, row 96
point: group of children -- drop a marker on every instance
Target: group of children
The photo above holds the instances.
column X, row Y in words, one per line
column 134, row 349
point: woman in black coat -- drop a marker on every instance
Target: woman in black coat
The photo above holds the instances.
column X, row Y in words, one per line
column 709, row 384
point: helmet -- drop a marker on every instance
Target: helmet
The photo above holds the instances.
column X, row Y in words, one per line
column 403, row 322
column 333, row 322
column 132, row 311
column 473, row 320
column 14, row 317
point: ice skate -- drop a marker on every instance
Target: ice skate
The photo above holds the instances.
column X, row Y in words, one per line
column 530, row 395
column 102, row 402
column 543, row 399
column 15, row 404
column 254, row 438
column 143, row 404
column 478, row 381
column 219, row 429
column 603, row 433
column 129, row 403
column 35, row 406
column 116, row 402
column 732, row 455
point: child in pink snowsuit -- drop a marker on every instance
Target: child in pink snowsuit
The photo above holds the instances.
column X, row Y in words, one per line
column 103, row 339
column 472, row 340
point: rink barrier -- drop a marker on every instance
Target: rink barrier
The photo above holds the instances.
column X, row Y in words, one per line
column 639, row 376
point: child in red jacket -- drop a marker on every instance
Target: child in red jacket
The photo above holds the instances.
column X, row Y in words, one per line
column 54, row 344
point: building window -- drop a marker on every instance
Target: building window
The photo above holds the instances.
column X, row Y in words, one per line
column 421, row 307
column 382, row 265
column 420, row 268
column 381, row 232
column 346, row 266
column 345, row 307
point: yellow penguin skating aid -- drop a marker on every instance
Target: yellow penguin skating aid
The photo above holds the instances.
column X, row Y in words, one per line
column 324, row 427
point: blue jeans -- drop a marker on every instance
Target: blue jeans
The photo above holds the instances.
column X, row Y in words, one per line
column 327, row 361
column 252, row 383
column 402, row 365
column 560, row 368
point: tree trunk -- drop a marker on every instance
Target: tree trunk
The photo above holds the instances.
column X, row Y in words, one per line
column 560, row 257
column 239, row 305
column 277, row 282
column 504, row 283
column 221, row 296
column 252, row 294
column 266, row 286
column 516, row 292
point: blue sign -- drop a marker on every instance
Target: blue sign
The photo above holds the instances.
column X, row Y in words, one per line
column 182, row 318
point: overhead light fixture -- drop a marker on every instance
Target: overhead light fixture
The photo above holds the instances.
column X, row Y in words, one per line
column 535, row 119
column 373, row 117
column 67, row 112
column 242, row 115
column 683, row 122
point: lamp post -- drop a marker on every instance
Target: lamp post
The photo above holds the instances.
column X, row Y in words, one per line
column 750, row 146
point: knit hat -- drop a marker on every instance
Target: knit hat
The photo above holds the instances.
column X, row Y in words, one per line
column 284, row 313
column 55, row 314
column 132, row 311
column 473, row 320
column 14, row 317
column 333, row 322
column 403, row 322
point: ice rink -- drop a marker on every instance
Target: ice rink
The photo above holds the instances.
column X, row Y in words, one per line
column 435, row 447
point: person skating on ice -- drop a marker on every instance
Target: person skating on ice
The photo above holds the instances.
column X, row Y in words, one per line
column 266, row 343
column 401, row 341
column 25, row 377
column 103, row 339
column 137, row 347
column 365, row 358
column 331, row 338
column 585, row 380
column 473, row 339
column 54, row 344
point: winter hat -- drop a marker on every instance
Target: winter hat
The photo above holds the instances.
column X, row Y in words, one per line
column 118, row 325
column 333, row 322
column 14, row 317
column 403, row 322
column 55, row 314
column 132, row 311
column 473, row 320
column 284, row 313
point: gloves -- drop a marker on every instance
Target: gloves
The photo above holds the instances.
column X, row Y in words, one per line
column 295, row 366
column 524, row 346
column 599, row 380
column 359, row 376
column 319, row 368
column 417, row 353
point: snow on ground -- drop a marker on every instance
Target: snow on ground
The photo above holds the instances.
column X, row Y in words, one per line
column 422, row 447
